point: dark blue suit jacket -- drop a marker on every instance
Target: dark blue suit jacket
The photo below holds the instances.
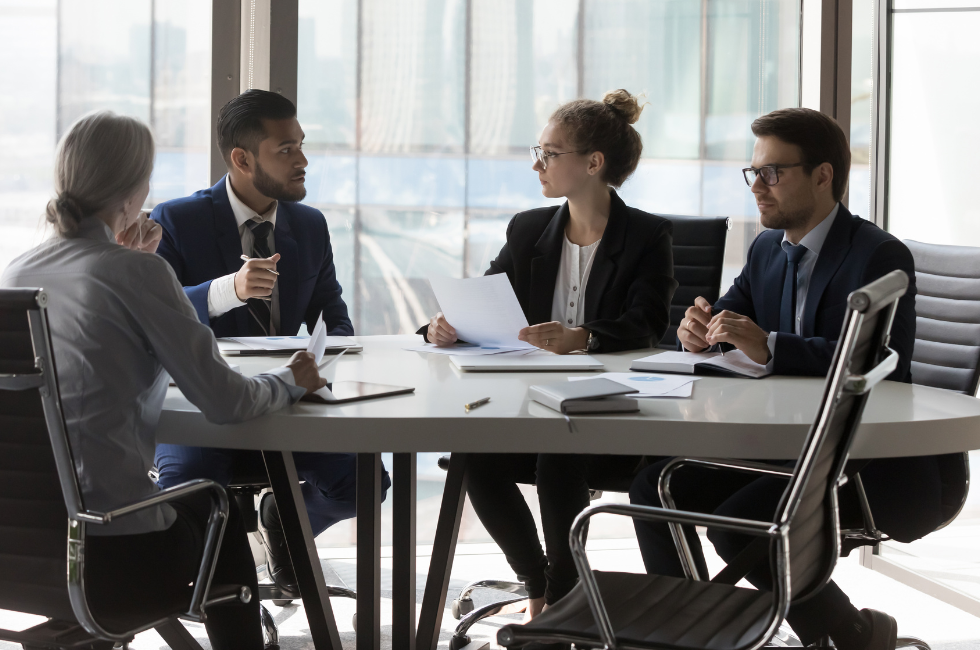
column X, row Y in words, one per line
column 855, row 253
column 201, row 242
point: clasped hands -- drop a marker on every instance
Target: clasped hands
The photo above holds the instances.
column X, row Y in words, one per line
column 143, row 235
column 699, row 330
column 553, row 336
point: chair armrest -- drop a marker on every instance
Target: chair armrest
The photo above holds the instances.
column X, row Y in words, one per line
column 576, row 540
column 663, row 487
column 212, row 539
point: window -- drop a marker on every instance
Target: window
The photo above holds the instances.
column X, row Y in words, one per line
column 134, row 57
column 934, row 134
column 419, row 113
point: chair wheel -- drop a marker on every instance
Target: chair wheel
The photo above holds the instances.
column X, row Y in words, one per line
column 462, row 607
column 458, row 642
column 278, row 602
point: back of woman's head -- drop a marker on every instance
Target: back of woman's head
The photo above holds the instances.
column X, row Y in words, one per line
column 605, row 126
column 101, row 161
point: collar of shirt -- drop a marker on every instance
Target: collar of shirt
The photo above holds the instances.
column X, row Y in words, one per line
column 814, row 239
column 243, row 213
column 95, row 228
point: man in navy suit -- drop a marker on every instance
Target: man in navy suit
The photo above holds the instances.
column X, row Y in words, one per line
column 288, row 279
column 786, row 310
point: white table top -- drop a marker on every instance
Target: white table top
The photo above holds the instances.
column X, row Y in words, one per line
column 741, row 418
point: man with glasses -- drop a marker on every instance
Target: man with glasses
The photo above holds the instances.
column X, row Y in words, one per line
column 785, row 310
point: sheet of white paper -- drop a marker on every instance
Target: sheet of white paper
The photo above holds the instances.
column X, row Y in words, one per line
column 483, row 310
column 684, row 391
column 463, row 350
column 649, row 385
column 318, row 340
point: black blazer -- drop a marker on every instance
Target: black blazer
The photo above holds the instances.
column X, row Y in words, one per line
column 627, row 299
column 855, row 253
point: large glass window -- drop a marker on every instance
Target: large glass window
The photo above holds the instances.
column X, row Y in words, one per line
column 418, row 119
column 934, row 133
column 135, row 57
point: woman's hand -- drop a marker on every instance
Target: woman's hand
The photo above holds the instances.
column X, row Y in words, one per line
column 144, row 235
column 555, row 337
column 440, row 331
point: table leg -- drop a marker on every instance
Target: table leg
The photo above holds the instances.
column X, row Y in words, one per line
column 302, row 549
column 403, row 553
column 368, row 552
column 443, row 552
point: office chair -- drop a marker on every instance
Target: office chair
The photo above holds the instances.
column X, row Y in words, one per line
column 42, row 560
column 698, row 249
column 699, row 257
column 613, row 609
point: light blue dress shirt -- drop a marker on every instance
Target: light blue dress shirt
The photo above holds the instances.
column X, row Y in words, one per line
column 813, row 241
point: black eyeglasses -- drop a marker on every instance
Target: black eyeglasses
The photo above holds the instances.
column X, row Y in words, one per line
column 769, row 173
column 539, row 154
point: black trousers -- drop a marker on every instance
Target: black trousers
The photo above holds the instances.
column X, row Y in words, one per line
column 128, row 575
column 562, row 482
column 888, row 484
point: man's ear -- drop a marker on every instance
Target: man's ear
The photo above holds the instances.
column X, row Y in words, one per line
column 596, row 161
column 241, row 160
column 824, row 176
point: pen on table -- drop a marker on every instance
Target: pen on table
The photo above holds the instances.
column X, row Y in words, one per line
column 473, row 405
column 247, row 258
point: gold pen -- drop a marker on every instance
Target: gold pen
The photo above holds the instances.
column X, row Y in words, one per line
column 473, row 405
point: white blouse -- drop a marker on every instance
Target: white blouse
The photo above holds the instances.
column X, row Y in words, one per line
column 568, row 305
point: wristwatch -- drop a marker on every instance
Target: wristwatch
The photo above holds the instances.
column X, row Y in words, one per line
column 592, row 343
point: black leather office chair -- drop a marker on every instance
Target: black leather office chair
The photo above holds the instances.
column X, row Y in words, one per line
column 699, row 257
column 946, row 355
column 699, row 253
column 43, row 515
column 612, row 609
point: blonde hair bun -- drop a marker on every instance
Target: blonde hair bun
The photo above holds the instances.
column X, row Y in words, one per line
column 625, row 104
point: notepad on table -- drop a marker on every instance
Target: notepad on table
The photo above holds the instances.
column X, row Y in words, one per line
column 734, row 362
column 598, row 395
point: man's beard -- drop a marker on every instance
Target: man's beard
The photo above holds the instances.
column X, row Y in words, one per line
column 795, row 217
column 273, row 189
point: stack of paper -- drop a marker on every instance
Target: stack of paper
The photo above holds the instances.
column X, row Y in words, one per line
column 650, row 385
column 484, row 311
column 470, row 350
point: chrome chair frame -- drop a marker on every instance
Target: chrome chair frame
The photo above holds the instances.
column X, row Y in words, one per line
column 79, row 517
column 839, row 382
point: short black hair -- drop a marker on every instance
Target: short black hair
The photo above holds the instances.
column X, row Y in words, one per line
column 240, row 120
column 819, row 137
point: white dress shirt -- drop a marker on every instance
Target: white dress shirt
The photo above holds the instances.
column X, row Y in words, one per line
column 568, row 304
column 121, row 326
column 813, row 242
column 222, row 297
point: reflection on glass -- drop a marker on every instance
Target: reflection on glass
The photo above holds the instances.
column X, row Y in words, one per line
column 449, row 103
column 859, row 185
column 935, row 135
column 134, row 57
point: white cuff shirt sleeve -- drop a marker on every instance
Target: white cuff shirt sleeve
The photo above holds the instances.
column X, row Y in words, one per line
column 285, row 375
column 772, row 350
column 222, row 297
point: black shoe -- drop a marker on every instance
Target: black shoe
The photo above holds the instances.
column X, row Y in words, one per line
column 884, row 630
column 276, row 552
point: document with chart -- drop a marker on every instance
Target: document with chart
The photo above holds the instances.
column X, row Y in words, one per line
column 484, row 311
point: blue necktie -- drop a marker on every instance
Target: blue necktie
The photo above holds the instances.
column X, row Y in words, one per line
column 260, row 322
column 787, row 307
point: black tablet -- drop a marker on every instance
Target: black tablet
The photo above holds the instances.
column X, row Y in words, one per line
column 355, row 391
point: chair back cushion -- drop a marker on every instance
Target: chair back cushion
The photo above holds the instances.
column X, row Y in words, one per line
column 699, row 254
column 947, row 316
column 33, row 517
column 814, row 532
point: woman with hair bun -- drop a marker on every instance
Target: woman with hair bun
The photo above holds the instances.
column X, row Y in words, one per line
column 592, row 274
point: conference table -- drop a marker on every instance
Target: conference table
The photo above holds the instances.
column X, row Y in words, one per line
column 726, row 417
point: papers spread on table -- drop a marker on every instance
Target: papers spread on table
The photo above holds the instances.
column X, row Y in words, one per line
column 469, row 350
column 281, row 345
column 734, row 362
column 533, row 360
column 483, row 311
column 650, row 385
